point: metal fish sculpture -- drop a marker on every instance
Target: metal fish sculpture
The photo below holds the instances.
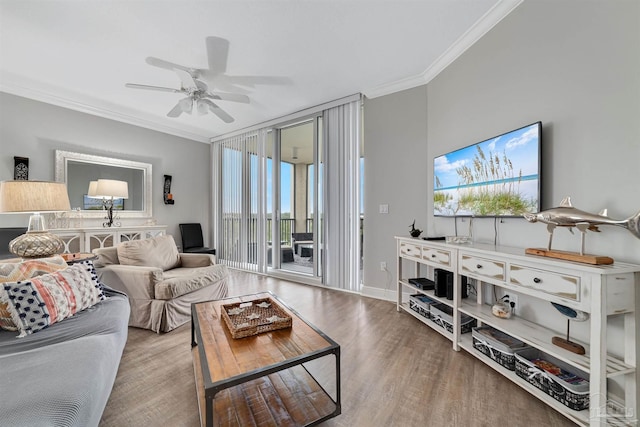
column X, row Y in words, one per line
column 566, row 215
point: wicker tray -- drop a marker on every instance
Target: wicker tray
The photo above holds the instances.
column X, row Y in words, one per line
column 248, row 318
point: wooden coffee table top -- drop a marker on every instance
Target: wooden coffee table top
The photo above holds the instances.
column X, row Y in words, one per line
column 227, row 357
column 259, row 380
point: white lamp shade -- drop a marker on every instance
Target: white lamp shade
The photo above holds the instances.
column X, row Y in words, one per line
column 93, row 187
column 33, row 196
column 111, row 188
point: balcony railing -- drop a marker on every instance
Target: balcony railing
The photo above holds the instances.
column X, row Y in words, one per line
column 230, row 236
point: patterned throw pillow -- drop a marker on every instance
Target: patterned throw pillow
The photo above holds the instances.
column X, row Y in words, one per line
column 37, row 303
column 15, row 271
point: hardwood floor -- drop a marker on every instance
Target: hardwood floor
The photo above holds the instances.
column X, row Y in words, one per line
column 395, row 371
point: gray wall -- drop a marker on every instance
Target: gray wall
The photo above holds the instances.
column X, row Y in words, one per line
column 574, row 67
column 35, row 130
column 395, row 133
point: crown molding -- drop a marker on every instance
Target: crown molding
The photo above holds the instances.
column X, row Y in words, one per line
column 279, row 121
column 494, row 15
column 37, row 94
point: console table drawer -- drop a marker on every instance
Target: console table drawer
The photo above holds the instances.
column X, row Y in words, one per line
column 437, row 255
column 410, row 250
column 481, row 267
column 557, row 284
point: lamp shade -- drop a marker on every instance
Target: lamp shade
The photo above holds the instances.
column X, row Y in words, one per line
column 33, row 196
column 93, row 187
column 110, row 188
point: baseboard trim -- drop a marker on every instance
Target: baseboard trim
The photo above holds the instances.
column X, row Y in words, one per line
column 379, row 293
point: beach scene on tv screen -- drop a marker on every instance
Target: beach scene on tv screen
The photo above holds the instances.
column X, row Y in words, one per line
column 497, row 177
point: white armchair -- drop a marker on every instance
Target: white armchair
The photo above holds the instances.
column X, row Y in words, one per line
column 160, row 282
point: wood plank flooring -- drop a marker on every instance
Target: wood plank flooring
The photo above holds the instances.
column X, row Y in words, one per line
column 395, row 370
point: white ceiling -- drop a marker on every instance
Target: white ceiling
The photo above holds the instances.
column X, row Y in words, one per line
column 79, row 54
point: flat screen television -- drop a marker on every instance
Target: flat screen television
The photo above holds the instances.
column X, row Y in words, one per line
column 492, row 178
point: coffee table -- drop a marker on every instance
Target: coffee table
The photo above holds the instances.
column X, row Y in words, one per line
column 261, row 379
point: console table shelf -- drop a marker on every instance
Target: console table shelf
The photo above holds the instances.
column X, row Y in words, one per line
column 89, row 238
column 405, row 307
column 540, row 337
column 428, row 294
column 580, row 417
column 605, row 292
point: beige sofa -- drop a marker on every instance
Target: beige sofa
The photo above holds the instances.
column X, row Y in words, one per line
column 160, row 282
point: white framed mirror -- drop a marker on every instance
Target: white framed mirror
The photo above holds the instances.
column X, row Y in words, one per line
column 78, row 169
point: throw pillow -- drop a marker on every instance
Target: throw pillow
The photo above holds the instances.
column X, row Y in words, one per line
column 160, row 252
column 39, row 302
column 15, row 271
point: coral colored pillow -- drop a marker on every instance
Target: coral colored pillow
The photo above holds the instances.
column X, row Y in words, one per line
column 39, row 302
column 15, row 271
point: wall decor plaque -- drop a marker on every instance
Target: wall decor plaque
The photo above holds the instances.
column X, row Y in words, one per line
column 21, row 168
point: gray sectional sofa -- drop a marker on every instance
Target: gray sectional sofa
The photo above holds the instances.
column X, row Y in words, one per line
column 63, row 375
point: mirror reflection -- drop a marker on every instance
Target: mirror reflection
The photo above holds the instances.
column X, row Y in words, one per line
column 79, row 175
column 78, row 170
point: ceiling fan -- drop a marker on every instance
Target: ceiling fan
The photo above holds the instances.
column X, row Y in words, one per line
column 198, row 94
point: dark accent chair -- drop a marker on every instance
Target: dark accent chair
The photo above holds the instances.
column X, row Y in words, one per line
column 6, row 236
column 192, row 241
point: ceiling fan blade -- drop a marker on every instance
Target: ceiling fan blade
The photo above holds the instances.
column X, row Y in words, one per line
column 259, row 80
column 157, row 62
column 225, row 96
column 220, row 82
column 204, row 104
column 185, row 105
column 217, row 54
column 186, row 79
column 147, row 87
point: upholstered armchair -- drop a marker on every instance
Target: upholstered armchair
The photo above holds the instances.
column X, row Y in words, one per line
column 301, row 239
column 160, row 282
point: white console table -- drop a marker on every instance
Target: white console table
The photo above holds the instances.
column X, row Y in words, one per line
column 605, row 292
column 87, row 239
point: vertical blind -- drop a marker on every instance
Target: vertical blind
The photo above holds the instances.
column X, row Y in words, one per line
column 342, row 196
column 240, row 201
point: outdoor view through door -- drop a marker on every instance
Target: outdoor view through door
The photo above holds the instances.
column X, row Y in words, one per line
column 298, row 192
column 273, row 211
column 266, row 176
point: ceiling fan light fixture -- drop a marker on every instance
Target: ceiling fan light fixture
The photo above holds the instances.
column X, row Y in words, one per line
column 202, row 107
column 187, row 105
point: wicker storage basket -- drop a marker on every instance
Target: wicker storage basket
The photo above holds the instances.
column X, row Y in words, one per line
column 254, row 317
column 499, row 346
column 421, row 304
column 442, row 315
column 564, row 383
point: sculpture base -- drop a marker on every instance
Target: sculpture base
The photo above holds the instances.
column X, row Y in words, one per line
column 571, row 256
column 568, row 345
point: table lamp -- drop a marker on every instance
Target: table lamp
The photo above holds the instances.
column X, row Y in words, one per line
column 107, row 190
column 35, row 197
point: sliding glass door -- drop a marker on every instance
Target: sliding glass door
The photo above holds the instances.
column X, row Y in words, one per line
column 296, row 197
column 288, row 197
